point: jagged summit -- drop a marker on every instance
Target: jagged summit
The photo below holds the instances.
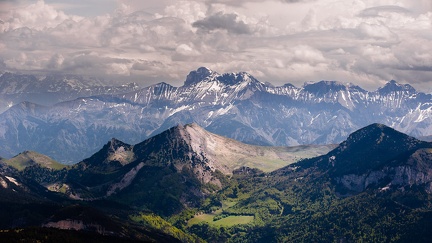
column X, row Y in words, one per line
column 199, row 75
column 112, row 156
column 393, row 86
column 237, row 78
column 204, row 74
column 323, row 87
column 114, row 144
column 161, row 84
column 289, row 85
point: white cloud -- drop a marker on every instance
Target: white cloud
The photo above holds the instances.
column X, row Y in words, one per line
column 379, row 55
column 307, row 54
column 375, row 31
column 364, row 41
column 36, row 16
column 222, row 21
column 55, row 62
column 186, row 50
column 189, row 11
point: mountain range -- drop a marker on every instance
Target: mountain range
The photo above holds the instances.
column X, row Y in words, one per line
column 235, row 105
column 189, row 151
column 377, row 155
column 187, row 184
column 52, row 89
column 165, row 174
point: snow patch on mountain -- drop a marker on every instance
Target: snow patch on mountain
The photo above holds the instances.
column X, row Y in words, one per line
column 234, row 105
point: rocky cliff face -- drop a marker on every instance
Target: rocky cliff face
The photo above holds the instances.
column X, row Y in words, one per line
column 77, row 225
column 416, row 171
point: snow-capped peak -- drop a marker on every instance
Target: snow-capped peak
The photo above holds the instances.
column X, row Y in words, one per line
column 324, row 87
column 199, row 75
column 204, row 74
column 237, row 78
column 393, row 86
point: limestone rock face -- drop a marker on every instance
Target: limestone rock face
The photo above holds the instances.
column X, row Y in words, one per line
column 382, row 155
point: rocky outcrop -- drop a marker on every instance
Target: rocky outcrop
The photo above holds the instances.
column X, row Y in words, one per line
column 416, row 171
column 358, row 183
column 397, row 176
column 75, row 225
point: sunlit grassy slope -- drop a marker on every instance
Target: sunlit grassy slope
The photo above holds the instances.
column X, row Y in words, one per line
column 29, row 158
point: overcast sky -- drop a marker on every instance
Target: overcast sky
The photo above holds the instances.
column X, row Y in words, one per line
column 366, row 42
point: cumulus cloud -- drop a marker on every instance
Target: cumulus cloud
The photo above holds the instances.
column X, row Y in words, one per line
column 186, row 50
column 363, row 41
column 376, row 31
column 55, row 62
column 307, row 54
column 378, row 55
column 189, row 11
column 222, row 21
column 36, row 16
column 242, row 2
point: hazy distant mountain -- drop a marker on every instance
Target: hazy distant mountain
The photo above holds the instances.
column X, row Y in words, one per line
column 51, row 89
column 235, row 105
column 426, row 138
